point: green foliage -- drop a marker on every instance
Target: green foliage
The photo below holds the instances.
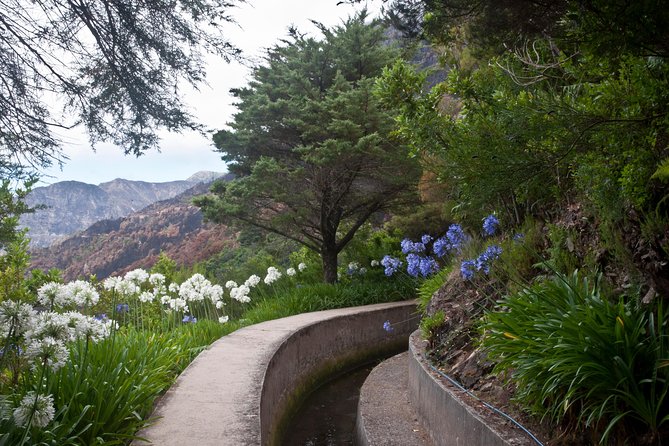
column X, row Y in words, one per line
column 105, row 396
column 322, row 296
column 577, row 357
column 310, row 144
column 12, row 206
column 119, row 75
column 430, row 325
column 13, row 268
column 429, row 286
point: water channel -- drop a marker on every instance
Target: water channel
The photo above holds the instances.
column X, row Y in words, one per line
column 327, row 417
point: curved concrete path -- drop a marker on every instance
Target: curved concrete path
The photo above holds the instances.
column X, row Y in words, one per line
column 219, row 398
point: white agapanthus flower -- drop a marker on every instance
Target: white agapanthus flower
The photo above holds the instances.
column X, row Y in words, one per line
column 126, row 288
column 302, row 266
column 353, row 266
column 146, row 297
column 213, row 292
column 241, row 294
column 110, row 283
column 39, row 406
column 374, row 263
column 165, row 299
column 137, row 276
column 363, row 270
column 223, row 319
column 16, row 316
column 173, row 288
column 50, row 324
column 51, row 295
column 195, row 288
column 220, row 304
column 252, row 281
column 231, row 284
column 291, row 272
column 178, row 304
column 48, row 352
column 272, row 276
column 157, row 280
column 81, row 293
column 86, row 327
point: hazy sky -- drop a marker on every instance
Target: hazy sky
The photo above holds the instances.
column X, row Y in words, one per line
column 260, row 24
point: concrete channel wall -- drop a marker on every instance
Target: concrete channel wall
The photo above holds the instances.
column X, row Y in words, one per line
column 325, row 348
column 445, row 412
column 245, row 386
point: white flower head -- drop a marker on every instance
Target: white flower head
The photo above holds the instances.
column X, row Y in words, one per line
column 16, row 316
column 137, row 276
column 48, row 352
column 252, row 281
column 157, row 280
column 146, row 297
column 374, row 263
column 126, row 288
column 50, row 324
column 194, row 289
column 51, row 295
column 220, row 304
column 353, row 266
column 241, row 294
column 110, row 283
column 81, row 293
column 223, row 319
column 302, row 266
column 291, row 272
column 272, row 276
column 230, row 284
column 39, row 406
column 173, row 288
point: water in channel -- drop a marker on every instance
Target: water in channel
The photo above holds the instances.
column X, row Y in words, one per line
column 327, row 417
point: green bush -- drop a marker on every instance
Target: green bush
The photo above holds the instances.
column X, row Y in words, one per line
column 579, row 358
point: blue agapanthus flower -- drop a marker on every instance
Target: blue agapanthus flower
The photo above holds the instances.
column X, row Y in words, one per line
column 441, row 247
column 189, row 319
column 468, row 269
column 387, row 326
column 413, row 265
column 456, row 237
column 408, row 246
column 486, row 258
column 391, row 265
column 122, row 308
column 425, row 239
column 490, row 225
column 428, row 266
column 518, row 237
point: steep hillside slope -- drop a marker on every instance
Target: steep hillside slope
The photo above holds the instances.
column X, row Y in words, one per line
column 71, row 206
column 114, row 246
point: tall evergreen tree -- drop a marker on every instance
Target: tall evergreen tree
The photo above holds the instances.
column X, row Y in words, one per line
column 310, row 144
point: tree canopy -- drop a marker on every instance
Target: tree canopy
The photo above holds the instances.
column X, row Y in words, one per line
column 113, row 67
column 310, row 144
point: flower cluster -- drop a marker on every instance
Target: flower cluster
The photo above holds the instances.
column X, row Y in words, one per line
column 490, row 225
column 391, row 265
column 272, row 276
column 468, row 268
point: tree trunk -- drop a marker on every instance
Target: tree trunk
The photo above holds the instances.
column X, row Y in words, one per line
column 329, row 258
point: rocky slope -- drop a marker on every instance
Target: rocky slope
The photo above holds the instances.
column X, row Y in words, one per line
column 71, row 206
column 114, row 246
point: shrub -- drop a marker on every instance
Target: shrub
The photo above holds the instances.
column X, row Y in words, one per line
column 580, row 358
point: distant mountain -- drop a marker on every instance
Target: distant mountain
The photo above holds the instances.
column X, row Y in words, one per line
column 71, row 206
column 115, row 246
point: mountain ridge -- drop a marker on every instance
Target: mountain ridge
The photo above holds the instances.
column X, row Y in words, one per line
column 67, row 207
column 114, row 246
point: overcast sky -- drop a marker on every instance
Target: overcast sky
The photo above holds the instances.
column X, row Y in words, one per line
column 260, row 24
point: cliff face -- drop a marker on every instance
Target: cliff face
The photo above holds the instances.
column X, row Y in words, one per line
column 115, row 246
column 71, row 206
